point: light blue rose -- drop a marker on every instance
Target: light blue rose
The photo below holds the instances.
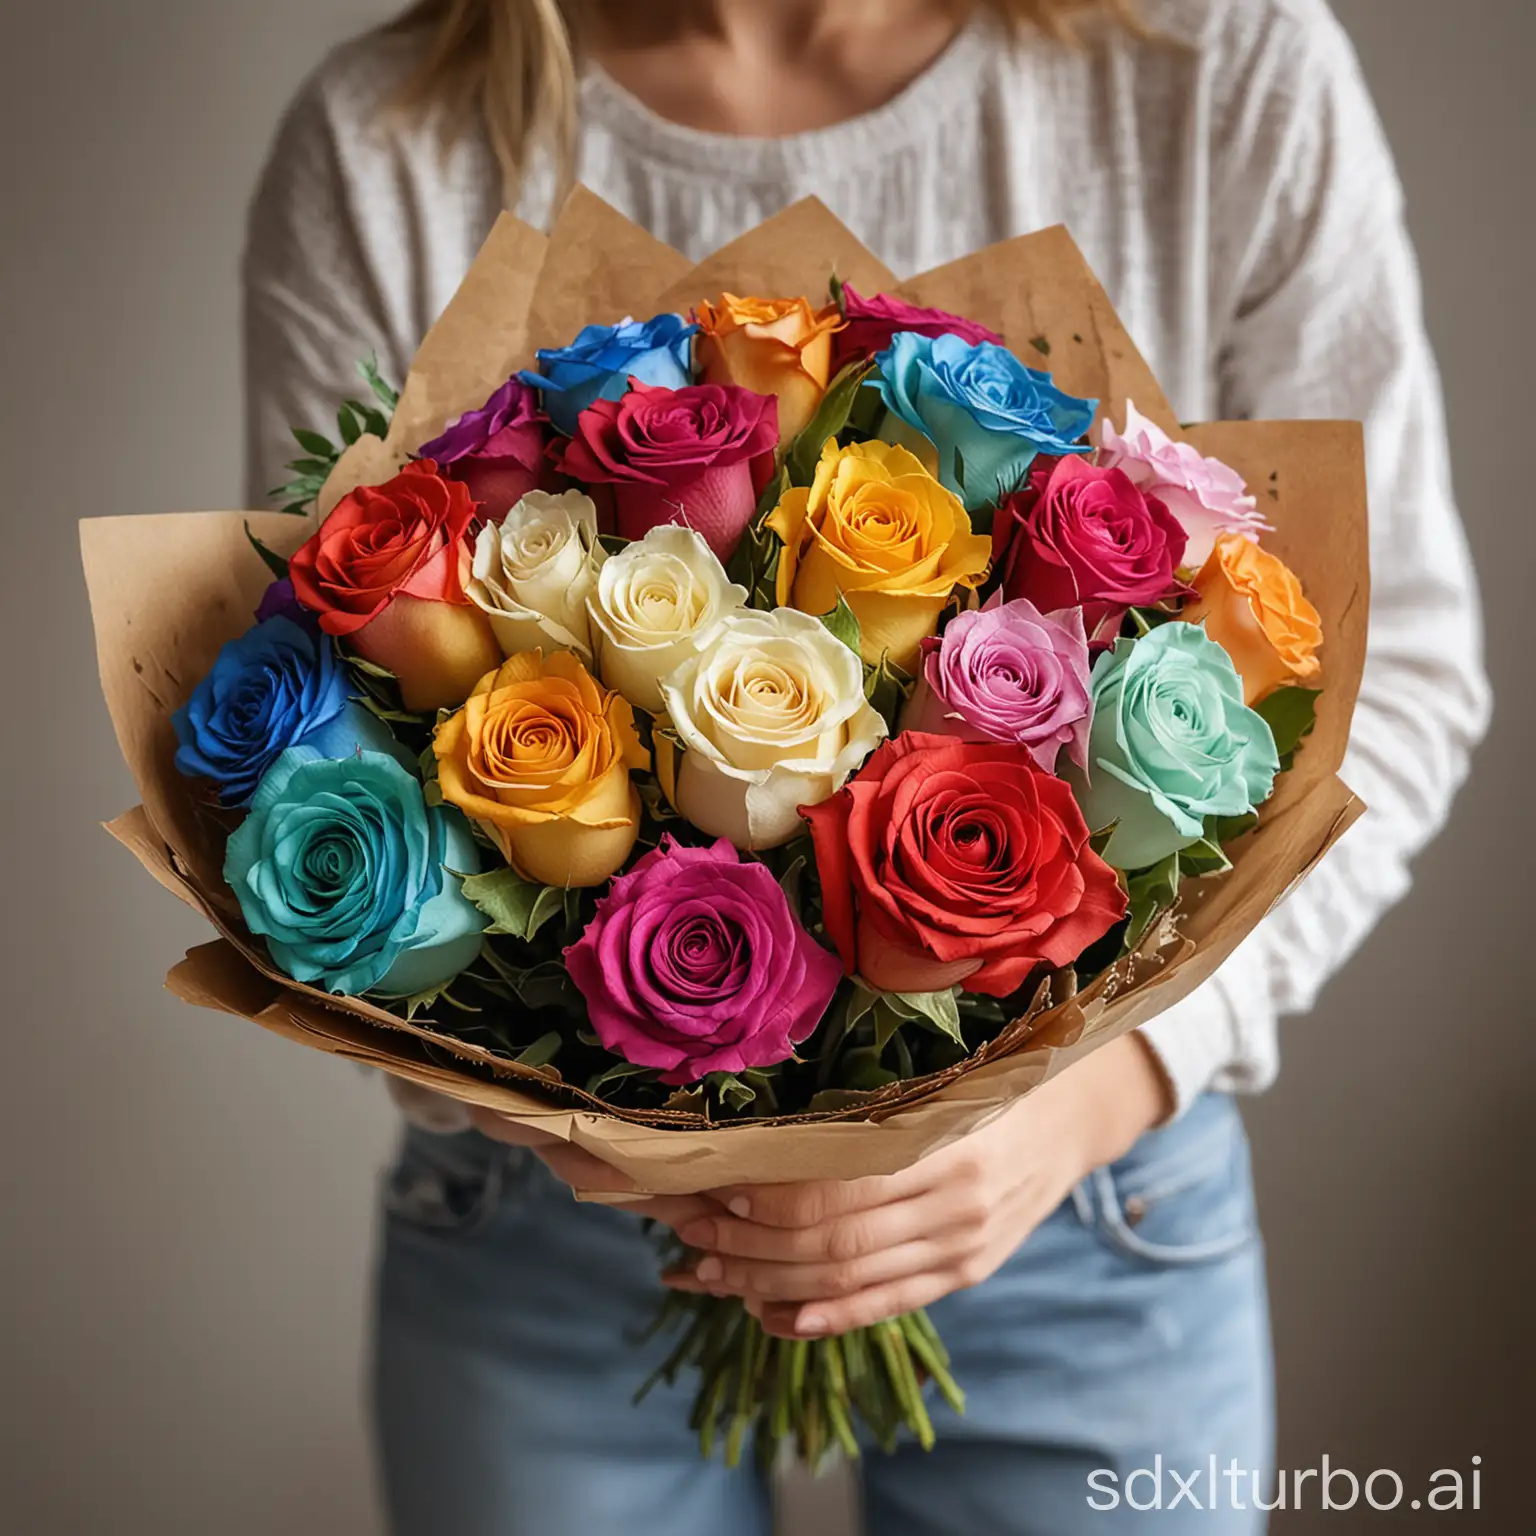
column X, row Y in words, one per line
column 352, row 878
column 279, row 685
column 599, row 364
column 985, row 413
column 1172, row 743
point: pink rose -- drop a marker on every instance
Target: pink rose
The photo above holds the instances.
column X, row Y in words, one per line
column 1207, row 496
column 695, row 963
column 872, row 323
column 1007, row 672
column 497, row 451
column 1077, row 536
column 699, row 456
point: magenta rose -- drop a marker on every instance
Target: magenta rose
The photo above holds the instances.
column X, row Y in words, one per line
column 497, row 451
column 1077, row 536
column 699, row 456
column 694, row 963
column 1007, row 672
column 872, row 323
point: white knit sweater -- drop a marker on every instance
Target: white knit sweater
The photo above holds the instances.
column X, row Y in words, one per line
column 1229, row 184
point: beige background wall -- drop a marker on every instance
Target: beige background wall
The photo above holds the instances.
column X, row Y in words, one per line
column 186, row 1204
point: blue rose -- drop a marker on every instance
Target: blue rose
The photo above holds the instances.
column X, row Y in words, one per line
column 279, row 685
column 599, row 364
column 1171, row 743
column 984, row 412
column 352, row 879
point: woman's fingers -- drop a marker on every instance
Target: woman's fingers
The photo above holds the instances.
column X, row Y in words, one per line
column 864, row 1309
column 794, row 1206
column 836, row 1255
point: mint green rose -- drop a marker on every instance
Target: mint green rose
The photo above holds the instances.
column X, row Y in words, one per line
column 1172, row 743
column 352, row 878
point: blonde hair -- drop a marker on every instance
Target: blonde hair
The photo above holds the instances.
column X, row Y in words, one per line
column 511, row 64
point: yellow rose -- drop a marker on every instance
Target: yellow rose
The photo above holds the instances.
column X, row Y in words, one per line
column 778, row 347
column 1252, row 606
column 540, row 757
column 878, row 529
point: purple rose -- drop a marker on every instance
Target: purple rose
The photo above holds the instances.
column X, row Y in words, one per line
column 1007, row 672
column 694, row 963
column 497, row 451
column 872, row 323
column 279, row 601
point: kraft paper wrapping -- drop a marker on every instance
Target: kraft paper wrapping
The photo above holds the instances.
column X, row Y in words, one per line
column 526, row 291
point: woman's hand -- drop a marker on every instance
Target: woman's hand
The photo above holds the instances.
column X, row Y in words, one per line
column 823, row 1258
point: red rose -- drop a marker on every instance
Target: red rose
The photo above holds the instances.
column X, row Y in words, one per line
column 948, row 861
column 872, row 322
column 699, row 456
column 386, row 569
column 1074, row 535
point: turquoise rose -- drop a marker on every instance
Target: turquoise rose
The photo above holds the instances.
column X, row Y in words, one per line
column 986, row 414
column 352, row 879
column 1172, row 743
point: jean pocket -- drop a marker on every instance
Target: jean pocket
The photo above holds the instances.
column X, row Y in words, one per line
column 1184, row 1194
column 452, row 1185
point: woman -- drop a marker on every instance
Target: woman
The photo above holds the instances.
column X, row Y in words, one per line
column 1091, row 1257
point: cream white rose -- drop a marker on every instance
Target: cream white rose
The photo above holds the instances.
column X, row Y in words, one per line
column 532, row 573
column 770, row 717
column 654, row 605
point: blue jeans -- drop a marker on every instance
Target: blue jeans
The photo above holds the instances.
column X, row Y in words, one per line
column 1129, row 1332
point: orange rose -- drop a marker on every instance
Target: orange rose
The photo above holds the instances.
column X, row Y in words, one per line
column 1253, row 607
column 540, row 756
column 779, row 347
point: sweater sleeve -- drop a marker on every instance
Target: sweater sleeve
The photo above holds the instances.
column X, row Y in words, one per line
column 1320, row 317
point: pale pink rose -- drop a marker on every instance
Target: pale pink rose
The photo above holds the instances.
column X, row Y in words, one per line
column 1205, row 495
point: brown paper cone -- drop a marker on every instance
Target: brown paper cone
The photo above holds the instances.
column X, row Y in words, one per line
column 167, row 591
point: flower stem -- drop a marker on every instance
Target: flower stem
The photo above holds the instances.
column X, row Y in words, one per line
column 815, row 1395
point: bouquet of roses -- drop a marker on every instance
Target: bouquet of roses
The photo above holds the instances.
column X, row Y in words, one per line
column 782, row 715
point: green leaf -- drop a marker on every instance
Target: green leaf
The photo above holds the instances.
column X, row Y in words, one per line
column 348, row 424
column 273, row 562
column 830, row 419
column 387, row 396
column 960, row 468
column 887, row 688
column 843, row 624
column 312, row 469
column 939, row 1009
column 789, row 881
column 617, row 1073
column 541, row 1052
column 755, row 565
column 1099, row 841
column 314, row 442
column 1290, row 713
column 515, row 906
column 730, row 1090
column 1203, row 858
column 1151, row 891
column 1226, row 829
column 862, row 1072
column 839, row 296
